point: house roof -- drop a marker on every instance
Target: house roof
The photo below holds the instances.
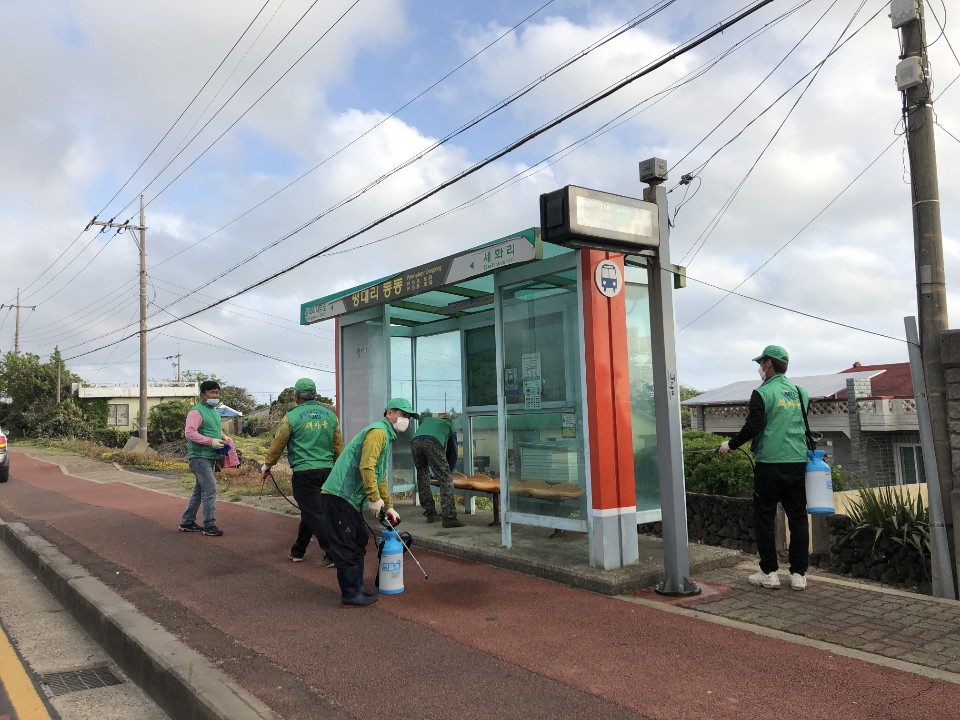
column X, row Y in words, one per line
column 893, row 381
column 819, row 387
column 227, row 411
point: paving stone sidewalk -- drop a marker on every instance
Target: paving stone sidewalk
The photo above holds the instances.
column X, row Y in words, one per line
column 873, row 619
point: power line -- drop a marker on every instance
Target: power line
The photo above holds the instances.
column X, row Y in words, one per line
column 255, row 102
column 715, row 221
column 797, row 234
column 503, row 103
column 189, row 105
column 359, row 137
column 679, row 51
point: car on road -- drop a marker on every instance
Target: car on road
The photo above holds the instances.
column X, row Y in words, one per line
column 4, row 458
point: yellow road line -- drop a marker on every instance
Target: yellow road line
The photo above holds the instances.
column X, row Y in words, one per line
column 23, row 695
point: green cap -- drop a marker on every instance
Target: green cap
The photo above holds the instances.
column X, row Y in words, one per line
column 399, row 403
column 773, row 351
column 305, row 385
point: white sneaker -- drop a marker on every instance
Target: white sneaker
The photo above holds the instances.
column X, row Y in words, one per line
column 798, row 581
column 767, row 580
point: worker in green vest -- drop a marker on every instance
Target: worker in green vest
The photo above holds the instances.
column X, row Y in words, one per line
column 776, row 423
column 205, row 439
column 310, row 433
column 358, row 479
column 434, row 448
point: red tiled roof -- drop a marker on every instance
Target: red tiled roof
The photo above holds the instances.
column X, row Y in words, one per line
column 894, row 381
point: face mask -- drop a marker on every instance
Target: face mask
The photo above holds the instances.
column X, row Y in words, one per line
column 212, row 402
column 763, row 375
column 401, row 424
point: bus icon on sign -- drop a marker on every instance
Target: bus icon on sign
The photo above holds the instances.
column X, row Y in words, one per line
column 608, row 277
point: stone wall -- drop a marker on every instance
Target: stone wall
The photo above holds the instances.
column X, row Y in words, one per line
column 716, row 520
column 886, row 561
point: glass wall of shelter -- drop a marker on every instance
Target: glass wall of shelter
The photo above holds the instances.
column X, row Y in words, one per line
column 501, row 352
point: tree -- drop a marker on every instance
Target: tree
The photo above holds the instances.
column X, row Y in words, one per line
column 166, row 420
column 685, row 394
column 29, row 388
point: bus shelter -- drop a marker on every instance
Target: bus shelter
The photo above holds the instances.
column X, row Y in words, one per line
column 543, row 354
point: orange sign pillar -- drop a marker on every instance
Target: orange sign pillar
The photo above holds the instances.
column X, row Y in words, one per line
column 608, row 415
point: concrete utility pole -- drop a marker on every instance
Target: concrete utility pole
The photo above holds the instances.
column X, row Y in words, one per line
column 913, row 79
column 177, row 356
column 16, row 331
column 142, row 245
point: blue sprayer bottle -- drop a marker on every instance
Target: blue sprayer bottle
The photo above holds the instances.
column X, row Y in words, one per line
column 819, row 482
column 391, row 564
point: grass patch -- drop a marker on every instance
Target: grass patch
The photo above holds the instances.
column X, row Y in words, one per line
column 84, row 448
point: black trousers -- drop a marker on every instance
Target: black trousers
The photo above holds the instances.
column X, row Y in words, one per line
column 346, row 533
column 782, row 483
column 306, row 491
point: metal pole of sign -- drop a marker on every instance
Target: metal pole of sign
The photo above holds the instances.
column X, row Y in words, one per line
column 673, row 500
column 940, row 551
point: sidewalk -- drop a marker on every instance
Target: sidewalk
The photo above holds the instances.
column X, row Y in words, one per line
column 475, row 640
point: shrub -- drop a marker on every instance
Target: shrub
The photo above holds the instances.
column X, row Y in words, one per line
column 57, row 420
column 165, row 421
column 706, row 472
column 885, row 513
column 110, row 437
column 841, row 479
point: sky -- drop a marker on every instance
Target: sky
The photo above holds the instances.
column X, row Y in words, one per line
column 247, row 124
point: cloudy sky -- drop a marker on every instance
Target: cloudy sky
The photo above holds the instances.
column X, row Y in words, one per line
column 91, row 88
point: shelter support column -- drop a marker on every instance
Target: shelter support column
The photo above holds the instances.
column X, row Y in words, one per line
column 608, row 417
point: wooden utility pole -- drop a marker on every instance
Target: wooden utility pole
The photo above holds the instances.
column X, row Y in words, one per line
column 16, row 331
column 142, row 245
column 913, row 77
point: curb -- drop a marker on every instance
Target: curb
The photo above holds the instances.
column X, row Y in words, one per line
column 180, row 680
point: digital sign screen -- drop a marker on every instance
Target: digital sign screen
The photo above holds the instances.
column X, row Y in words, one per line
column 613, row 216
column 582, row 218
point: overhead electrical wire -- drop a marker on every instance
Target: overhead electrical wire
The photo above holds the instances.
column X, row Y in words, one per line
column 184, row 112
column 712, row 225
column 647, row 14
column 797, row 234
column 244, row 113
column 359, row 137
column 668, row 57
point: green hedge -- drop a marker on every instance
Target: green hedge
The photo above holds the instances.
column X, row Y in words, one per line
column 711, row 474
column 110, row 437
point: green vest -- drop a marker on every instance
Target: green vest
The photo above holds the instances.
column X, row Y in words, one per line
column 783, row 438
column 437, row 428
column 211, row 427
column 345, row 480
column 311, row 436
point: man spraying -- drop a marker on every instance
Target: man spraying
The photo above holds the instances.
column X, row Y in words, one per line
column 359, row 479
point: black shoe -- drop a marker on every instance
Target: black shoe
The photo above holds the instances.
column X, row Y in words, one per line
column 326, row 562
column 212, row 530
column 432, row 516
column 190, row 527
column 453, row 522
column 295, row 558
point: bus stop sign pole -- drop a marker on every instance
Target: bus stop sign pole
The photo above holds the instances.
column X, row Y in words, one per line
column 673, row 500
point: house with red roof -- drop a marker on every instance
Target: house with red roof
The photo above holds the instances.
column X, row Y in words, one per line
column 866, row 413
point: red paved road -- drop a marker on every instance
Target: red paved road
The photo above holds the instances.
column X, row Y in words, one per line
column 472, row 641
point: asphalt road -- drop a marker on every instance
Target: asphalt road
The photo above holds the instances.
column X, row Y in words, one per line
column 473, row 641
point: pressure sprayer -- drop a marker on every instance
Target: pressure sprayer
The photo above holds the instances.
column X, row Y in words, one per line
column 392, row 546
column 819, row 481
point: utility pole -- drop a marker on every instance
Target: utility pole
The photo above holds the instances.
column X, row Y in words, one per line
column 16, row 332
column 177, row 356
column 142, row 246
column 913, row 79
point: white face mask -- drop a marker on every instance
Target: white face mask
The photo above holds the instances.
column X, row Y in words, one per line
column 212, row 402
column 763, row 375
column 401, row 424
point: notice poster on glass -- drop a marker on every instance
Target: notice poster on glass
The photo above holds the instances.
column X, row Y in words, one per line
column 568, row 425
column 532, row 381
